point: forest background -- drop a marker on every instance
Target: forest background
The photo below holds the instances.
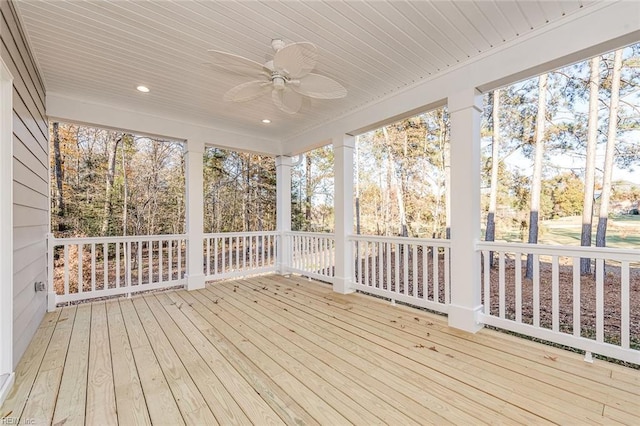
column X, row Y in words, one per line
column 559, row 153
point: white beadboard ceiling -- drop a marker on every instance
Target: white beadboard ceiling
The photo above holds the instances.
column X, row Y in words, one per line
column 100, row 51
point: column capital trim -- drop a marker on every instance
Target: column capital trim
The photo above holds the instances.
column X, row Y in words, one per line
column 283, row 160
column 194, row 146
column 464, row 99
column 344, row 141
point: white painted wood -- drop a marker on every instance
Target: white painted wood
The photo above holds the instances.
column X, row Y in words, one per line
column 6, row 230
column 283, row 212
column 555, row 294
column 501, row 285
column 576, row 296
column 518, row 277
column 624, row 295
column 343, row 147
column 465, row 108
column 194, row 214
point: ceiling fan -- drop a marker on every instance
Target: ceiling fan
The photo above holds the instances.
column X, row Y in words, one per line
column 287, row 76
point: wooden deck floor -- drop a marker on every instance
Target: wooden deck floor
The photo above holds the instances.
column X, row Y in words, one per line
column 274, row 350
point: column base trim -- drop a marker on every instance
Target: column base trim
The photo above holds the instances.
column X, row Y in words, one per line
column 195, row 282
column 343, row 286
column 6, row 383
column 466, row 319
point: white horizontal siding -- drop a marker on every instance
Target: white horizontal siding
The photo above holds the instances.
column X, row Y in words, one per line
column 30, row 181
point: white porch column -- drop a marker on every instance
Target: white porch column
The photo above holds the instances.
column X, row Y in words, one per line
column 465, row 108
column 343, row 147
column 195, row 214
column 283, row 212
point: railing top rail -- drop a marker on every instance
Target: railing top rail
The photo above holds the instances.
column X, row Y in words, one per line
column 117, row 239
column 402, row 240
column 312, row 234
column 239, row 234
column 567, row 251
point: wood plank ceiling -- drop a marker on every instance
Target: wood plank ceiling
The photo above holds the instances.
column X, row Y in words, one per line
column 101, row 50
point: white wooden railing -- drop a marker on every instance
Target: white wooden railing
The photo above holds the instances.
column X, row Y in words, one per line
column 87, row 268
column 312, row 254
column 237, row 254
column 410, row 270
column 557, row 304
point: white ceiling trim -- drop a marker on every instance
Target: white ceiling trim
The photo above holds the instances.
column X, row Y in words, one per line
column 83, row 112
column 599, row 29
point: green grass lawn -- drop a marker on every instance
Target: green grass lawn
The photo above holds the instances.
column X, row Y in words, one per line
column 622, row 232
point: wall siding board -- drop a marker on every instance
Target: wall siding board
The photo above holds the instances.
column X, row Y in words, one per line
column 16, row 37
column 27, row 158
column 24, row 256
column 23, row 237
column 30, row 180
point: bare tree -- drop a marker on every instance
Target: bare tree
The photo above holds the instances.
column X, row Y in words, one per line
column 58, row 169
column 111, row 171
column 536, row 180
column 490, row 235
column 590, row 167
column 601, row 234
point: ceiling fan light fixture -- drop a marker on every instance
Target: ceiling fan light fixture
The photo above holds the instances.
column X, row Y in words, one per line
column 143, row 89
column 266, row 121
column 278, row 82
column 287, row 76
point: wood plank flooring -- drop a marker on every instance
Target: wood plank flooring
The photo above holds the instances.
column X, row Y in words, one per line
column 276, row 350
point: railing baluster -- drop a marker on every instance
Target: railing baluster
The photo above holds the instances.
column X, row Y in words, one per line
column 366, row 265
column 501, row 285
column 387, row 247
column 425, row 274
column 150, row 260
column 140, row 248
column 447, row 276
column 397, row 267
column 170, row 258
column 576, row 296
column 128, row 265
column 599, row 300
column 160, row 261
column 624, row 301
column 414, row 257
column 66, row 268
column 223, row 267
column 117, row 265
column 518, row 271
column 215, row 255
column 436, row 272
column 555, row 294
column 487, row 282
column 374, row 265
column 80, row 279
column 536, row 290
column 179, row 249
column 405, row 268
column 105, row 266
column 208, row 256
column 93, row 267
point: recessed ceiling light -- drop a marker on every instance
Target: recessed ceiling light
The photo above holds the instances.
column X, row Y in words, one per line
column 266, row 121
column 143, row 89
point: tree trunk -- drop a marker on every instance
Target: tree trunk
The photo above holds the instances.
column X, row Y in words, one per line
column 589, row 178
column 111, row 171
column 399, row 189
column 493, row 194
column 58, row 169
column 536, row 180
column 601, row 234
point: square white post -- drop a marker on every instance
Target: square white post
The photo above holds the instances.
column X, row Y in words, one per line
column 343, row 147
column 6, row 231
column 195, row 214
column 283, row 213
column 465, row 108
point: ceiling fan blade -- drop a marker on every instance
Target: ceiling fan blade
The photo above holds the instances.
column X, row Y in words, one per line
column 237, row 64
column 287, row 100
column 319, row 87
column 296, row 59
column 248, row 91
